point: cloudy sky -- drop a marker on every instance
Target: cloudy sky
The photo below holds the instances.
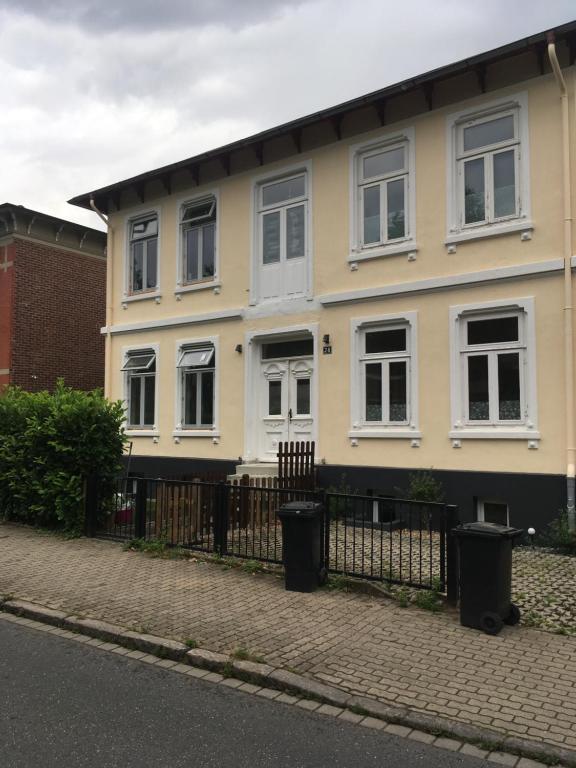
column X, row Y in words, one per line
column 94, row 91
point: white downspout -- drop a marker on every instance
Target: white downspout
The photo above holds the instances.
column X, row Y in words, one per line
column 109, row 286
column 568, row 308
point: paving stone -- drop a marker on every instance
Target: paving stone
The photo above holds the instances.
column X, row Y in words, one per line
column 502, row 758
column 285, row 698
column 349, row 717
column 328, row 709
column 268, row 693
column 372, row 722
column 421, row 736
column 231, row 682
column 444, row 743
column 525, row 762
column 397, row 730
column 473, row 751
column 307, row 704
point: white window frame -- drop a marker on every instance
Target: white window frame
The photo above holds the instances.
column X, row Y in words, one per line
column 406, row 244
column 149, row 293
column 207, row 283
column 457, row 229
column 480, row 509
column 258, row 182
column 462, row 427
column 180, row 430
column 359, row 326
column 148, row 430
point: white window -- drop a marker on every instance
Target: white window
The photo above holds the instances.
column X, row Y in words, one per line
column 492, row 512
column 196, row 365
column 282, row 268
column 198, row 239
column 489, row 175
column 143, row 254
column 494, row 370
column 383, row 197
column 140, row 387
column 384, row 387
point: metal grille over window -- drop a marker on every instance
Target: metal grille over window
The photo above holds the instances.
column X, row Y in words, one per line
column 198, row 225
column 140, row 369
column 196, row 367
column 143, row 254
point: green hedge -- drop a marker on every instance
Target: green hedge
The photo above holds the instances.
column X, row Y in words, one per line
column 49, row 444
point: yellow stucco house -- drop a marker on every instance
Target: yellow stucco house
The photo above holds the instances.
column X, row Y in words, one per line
column 391, row 277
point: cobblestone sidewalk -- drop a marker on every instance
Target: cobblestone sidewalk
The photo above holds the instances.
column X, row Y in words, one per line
column 522, row 681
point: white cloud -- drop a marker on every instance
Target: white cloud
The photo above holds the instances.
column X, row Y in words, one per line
column 88, row 101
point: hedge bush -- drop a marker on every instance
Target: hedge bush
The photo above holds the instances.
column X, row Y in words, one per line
column 49, row 444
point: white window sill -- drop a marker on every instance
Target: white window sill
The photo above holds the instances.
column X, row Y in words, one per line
column 489, row 230
column 142, row 432
column 141, row 296
column 385, row 432
column 394, row 249
column 210, row 432
column 494, row 433
column 200, row 286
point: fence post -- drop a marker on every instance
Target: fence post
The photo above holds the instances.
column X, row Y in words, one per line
column 321, row 498
column 140, row 509
column 452, row 575
column 91, row 485
column 221, row 519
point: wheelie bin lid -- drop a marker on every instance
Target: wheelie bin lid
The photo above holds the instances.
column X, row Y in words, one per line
column 487, row 529
column 300, row 509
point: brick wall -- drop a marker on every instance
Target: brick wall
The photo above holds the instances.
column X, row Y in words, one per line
column 6, row 275
column 58, row 310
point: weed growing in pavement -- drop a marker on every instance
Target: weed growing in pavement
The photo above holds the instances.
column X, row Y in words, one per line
column 190, row 643
column 227, row 670
column 531, row 619
column 337, row 581
column 253, row 566
column 428, row 600
column 402, row 596
column 242, row 654
column 155, row 548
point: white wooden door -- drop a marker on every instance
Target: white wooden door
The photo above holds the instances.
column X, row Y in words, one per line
column 286, row 404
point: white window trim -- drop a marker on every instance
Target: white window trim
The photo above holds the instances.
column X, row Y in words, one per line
column 145, row 431
column 153, row 293
column 456, row 232
column 480, row 509
column 358, row 427
column 407, row 244
column 460, row 429
column 179, row 429
column 182, row 202
column 257, row 183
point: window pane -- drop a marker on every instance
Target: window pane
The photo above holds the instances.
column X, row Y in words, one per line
column 208, row 250
column 474, row 206
column 191, row 242
column 490, row 132
column 200, row 210
column 271, row 238
column 295, row 232
column 190, row 397
column 137, row 266
column 196, row 358
column 207, row 409
column 494, row 512
column 139, row 361
column 383, row 163
column 146, row 228
column 151, row 263
column 393, row 340
column 134, row 405
column 294, row 348
column 374, row 392
column 504, row 184
column 371, row 215
column 149, row 395
column 398, row 404
column 509, row 387
column 274, row 398
column 272, row 194
column 478, row 403
column 302, row 396
column 395, row 209
column 499, row 330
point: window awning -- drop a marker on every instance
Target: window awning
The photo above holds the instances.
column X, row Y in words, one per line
column 140, row 361
column 195, row 358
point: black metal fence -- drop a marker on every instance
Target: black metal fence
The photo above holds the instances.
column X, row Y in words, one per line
column 385, row 539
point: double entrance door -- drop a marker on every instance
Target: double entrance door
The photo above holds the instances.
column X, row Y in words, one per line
column 286, row 408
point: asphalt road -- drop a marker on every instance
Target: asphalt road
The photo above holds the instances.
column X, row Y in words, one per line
column 65, row 704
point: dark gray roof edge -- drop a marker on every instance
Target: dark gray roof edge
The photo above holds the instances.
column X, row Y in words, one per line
column 563, row 31
column 12, row 207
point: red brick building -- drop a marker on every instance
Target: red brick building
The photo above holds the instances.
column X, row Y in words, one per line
column 52, row 301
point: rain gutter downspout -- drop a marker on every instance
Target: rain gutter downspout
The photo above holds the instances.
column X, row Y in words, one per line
column 109, row 285
column 568, row 307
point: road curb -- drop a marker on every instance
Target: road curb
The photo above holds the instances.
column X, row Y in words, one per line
column 294, row 684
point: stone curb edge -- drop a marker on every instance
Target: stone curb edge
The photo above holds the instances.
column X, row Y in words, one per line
column 295, row 684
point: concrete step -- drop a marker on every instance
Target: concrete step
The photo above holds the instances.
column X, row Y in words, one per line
column 258, row 469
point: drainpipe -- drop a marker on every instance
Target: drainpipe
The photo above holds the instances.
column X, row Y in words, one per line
column 568, row 308
column 109, row 285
